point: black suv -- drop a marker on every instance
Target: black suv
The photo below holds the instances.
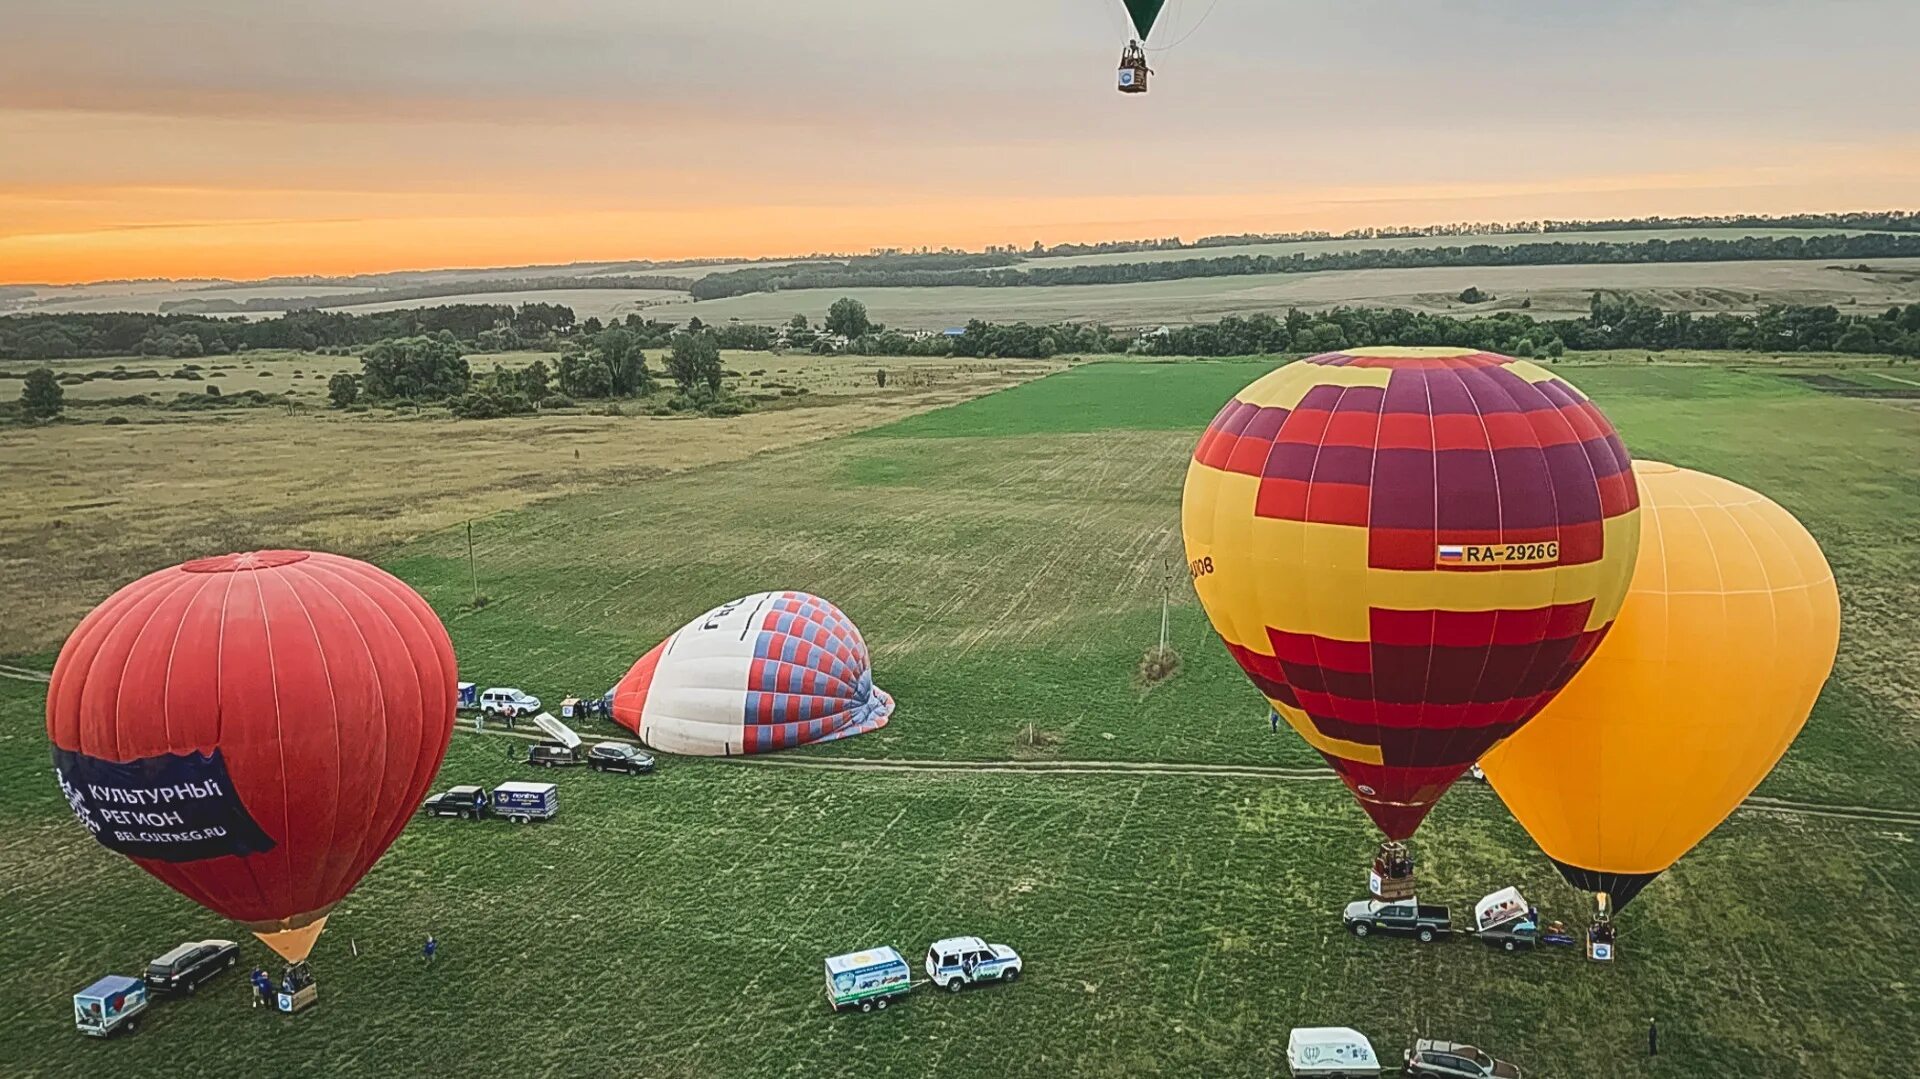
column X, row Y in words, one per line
column 552, row 755
column 468, row 802
column 619, row 757
column 184, row 968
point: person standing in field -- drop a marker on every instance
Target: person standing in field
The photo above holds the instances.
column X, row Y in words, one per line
column 430, row 948
column 1653, row 1037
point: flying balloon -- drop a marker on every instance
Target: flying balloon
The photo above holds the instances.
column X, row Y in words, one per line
column 1133, row 58
column 769, row 671
column 1728, row 632
column 254, row 729
column 1409, row 551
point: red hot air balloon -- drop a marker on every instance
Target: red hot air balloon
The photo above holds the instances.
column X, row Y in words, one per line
column 254, row 729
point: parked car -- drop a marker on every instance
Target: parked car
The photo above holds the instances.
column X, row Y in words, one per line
column 508, row 702
column 184, row 968
column 957, row 962
column 1451, row 1060
column 619, row 757
column 867, row 979
column 110, row 1005
column 552, row 755
column 463, row 801
column 1330, row 1053
column 1420, row 920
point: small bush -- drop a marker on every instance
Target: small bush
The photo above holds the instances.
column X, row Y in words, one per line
column 187, row 374
column 116, row 421
column 556, row 400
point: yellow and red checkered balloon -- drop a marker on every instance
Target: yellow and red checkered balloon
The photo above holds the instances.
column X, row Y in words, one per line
column 1409, row 551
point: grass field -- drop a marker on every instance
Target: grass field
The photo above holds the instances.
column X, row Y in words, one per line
column 1006, row 557
column 1553, row 291
column 98, row 505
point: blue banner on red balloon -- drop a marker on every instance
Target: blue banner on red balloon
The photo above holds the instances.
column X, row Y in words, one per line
column 175, row 807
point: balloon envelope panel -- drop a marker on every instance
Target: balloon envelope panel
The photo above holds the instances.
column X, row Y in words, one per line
column 254, row 729
column 1409, row 551
column 765, row 672
column 1729, row 630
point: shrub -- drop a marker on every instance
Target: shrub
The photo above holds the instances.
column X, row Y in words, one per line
column 556, row 400
column 116, row 421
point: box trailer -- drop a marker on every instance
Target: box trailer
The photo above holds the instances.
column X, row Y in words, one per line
column 113, row 1003
column 1330, row 1053
column 522, row 802
column 867, row 979
column 469, row 698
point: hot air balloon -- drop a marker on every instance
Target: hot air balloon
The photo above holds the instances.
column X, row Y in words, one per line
column 1133, row 58
column 254, row 729
column 1409, row 551
column 765, row 672
column 1728, row 632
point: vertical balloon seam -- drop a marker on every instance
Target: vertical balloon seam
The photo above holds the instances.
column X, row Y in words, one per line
column 1523, row 706
column 1373, row 470
column 285, row 852
column 1711, row 540
column 1314, row 611
column 154, row 598
column 335, row 870
column 1452, row 736
column 1808, row 587
column 168, row 874
column 332, row 579
column 282, row 579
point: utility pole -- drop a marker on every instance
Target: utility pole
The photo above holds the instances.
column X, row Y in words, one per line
column 473, row 567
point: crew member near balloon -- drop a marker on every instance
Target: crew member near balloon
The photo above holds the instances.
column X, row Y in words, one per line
column 1729, row 631
column 1409, row 551
column 254, row 730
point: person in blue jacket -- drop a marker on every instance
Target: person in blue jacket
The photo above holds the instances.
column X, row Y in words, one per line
column 430, row 948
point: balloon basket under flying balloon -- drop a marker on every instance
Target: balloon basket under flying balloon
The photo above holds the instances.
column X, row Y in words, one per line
column 1391, row 878
column 1133, row 69
column 1600, row 934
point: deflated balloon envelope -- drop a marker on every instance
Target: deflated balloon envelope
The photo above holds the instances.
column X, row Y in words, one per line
column 764, row 672
column 1729, row 630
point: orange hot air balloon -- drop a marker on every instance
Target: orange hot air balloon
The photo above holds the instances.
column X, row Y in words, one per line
column 254, row 729
column 1409, row 551
column 1728, row 632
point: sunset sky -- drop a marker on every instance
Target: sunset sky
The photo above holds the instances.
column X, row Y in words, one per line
column 246, row 139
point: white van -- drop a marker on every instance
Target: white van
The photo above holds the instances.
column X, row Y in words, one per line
column 509, row 702
column 1329, row 1052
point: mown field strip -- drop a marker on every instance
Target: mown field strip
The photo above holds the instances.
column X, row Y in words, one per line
column 1776, row 806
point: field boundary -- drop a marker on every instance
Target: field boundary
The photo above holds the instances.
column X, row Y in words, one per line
column 1777, row 806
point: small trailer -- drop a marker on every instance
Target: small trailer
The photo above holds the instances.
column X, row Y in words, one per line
column 469, row 698
column 522, row 802
column 1330, row 1053
column 867, row 979
column 1505, row 920
column 110, row 1005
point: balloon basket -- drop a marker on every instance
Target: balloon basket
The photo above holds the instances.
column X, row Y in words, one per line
column 297, row 990
column 1391, row 877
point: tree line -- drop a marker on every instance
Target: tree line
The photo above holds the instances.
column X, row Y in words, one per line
column 1550, row 253
column 217, row 305
column 83, row 335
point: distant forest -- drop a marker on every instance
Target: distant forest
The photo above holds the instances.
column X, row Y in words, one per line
column 1614, row 321
column 915, row 273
